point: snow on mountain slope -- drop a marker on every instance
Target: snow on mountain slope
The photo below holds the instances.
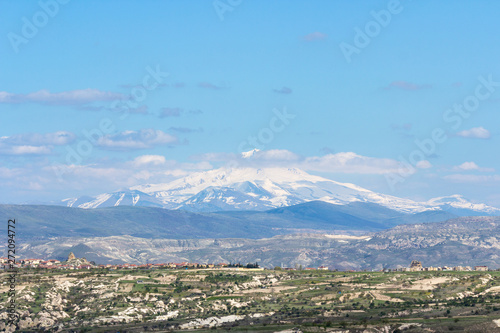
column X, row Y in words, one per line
column 120, row 198
column 457, row 201
column 272, row 187
column 267, row 181
column 262, row 189
column 223, row 199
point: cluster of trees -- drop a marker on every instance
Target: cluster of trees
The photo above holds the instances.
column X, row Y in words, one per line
column 250, row 265
column 224, row 278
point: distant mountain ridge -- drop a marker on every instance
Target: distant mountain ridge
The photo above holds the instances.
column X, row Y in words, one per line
column 236, row 189
column 465, row 241
column 39, row 221
column 119, row 198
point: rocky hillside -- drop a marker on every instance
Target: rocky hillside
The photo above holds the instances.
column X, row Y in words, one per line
column 235, row 189
column 463, row 241
column 39, row 222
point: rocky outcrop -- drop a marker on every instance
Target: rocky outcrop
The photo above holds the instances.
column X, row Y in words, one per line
column 476, row 240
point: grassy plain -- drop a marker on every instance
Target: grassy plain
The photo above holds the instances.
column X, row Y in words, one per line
column 253, row 301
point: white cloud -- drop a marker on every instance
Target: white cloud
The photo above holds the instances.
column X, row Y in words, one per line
column 349, row 162
column 475, row 179
column 149, row 159
column 283, row 90
column 30, row 150
column 34, row 143
column 345, row 162
column 6, row 149
column 475, row 133
column 42, row 181
column 424, row 164
column 34, row 186
column 314, row 36
column 281, row 155
column 171, row 112
column 177, row 173
column 59, row 138
column 10, row 173
column 82, row 96
column 215, row 157
column 471, row 166
column 145, row 138
column 468, row 166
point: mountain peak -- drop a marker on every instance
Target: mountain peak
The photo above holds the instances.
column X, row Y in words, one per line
column 457, row 201
column 248, row 154
column 247, row 188
column 448, row 199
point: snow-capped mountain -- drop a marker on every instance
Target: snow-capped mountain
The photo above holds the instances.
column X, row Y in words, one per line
column 120, row 198
column 263, row 189
column 258, row 189
column 459, row 203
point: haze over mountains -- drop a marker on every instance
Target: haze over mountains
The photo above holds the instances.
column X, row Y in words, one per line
column 270, row 215
column 239, row 189
column 43, row 222
column 465, row 241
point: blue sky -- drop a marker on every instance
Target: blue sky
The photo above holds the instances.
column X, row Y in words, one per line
column 172, row 87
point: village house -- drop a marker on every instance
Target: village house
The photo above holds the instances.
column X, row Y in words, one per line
column 481, row 268
column 30, row 261
column 76, row 263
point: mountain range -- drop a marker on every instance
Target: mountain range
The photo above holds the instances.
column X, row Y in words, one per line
column 253, row 189
column 45, row 222
column 270, row 215
column 465, row 241
column 273, row 216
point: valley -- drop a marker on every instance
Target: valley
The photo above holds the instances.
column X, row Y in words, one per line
column 246, row 300
column 465, row 241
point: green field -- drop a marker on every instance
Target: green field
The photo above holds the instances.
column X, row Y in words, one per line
column 255, row 301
